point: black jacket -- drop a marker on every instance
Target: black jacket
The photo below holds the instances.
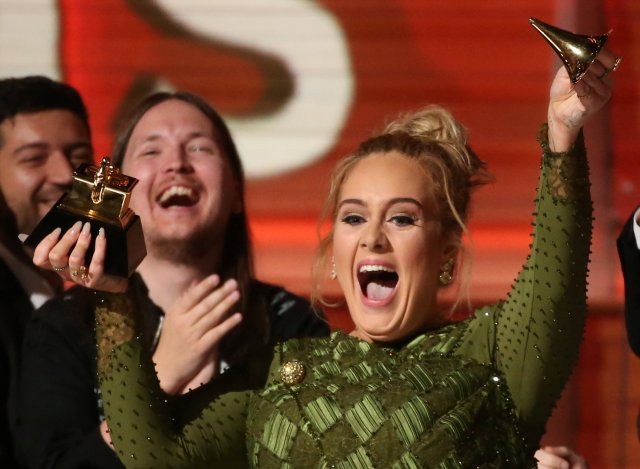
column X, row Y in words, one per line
column 15, row 309
column 630, row 263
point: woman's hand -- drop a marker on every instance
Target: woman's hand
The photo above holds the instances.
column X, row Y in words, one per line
column 572, row 105
column 187, row 353
column 559, row 457
column 66, row 256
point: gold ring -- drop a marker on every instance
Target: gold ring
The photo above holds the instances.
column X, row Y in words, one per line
column 59, row 269
column 616, row 64
column 81, row 272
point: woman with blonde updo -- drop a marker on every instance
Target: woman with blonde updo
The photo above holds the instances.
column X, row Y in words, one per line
column 437, row 145
column 407, row 388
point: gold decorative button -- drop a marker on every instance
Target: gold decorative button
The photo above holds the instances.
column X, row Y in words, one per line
column 292, row 372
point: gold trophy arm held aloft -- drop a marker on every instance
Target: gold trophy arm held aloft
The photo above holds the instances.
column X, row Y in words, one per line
column 577, row 51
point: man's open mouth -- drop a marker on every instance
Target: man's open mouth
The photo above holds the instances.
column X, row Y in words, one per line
column 180, row 196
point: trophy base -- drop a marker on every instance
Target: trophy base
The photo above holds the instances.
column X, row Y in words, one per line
column 125, row 246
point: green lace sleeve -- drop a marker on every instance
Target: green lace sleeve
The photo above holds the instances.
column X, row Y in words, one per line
column 533, row 337
column 145, row 430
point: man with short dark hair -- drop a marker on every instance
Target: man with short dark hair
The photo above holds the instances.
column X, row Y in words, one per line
column 44, row 135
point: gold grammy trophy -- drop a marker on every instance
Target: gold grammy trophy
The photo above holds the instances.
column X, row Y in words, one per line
column 100, row 195
column 577, row 51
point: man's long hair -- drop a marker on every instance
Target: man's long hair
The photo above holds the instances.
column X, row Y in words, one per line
column 237, row 258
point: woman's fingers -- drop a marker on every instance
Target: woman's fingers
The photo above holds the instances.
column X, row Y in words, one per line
column 59, row 254
column 592, row 90
column 548, row 460
column 95, row 276
column 596, row 83
column 41, row 252
column 66, row 255
column 77, row 269
column 53, row 251
column 96, row 267
column 600, row 71
column 559, row 457
column 609, row 59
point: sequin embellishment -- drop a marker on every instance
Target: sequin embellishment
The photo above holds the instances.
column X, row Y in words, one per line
column 292, row 372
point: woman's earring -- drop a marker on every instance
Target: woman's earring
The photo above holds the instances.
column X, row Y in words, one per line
column 334, row 274
column 445, row 275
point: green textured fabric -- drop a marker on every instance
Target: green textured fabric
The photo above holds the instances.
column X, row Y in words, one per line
column 472, row 394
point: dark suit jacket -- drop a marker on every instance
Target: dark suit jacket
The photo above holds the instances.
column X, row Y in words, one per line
column 15, row 309
column 630, row 263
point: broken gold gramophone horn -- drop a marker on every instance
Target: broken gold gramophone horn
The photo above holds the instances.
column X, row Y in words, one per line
column 577, row 51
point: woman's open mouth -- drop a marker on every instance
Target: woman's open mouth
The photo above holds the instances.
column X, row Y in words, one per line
column 377, row 282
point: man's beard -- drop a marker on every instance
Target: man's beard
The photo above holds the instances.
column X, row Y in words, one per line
column 191, row 250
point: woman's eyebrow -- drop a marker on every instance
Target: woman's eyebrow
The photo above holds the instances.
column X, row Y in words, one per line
column 394, row 201
column 351, row 201
column 402, row 200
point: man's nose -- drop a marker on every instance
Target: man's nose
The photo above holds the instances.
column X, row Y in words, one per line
column 59, row 169
column 177, row 160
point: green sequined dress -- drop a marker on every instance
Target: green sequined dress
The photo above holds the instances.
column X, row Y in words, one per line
column 472, row 394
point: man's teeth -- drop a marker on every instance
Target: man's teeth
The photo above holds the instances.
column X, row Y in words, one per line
column 375, row 268
column 176, row 191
